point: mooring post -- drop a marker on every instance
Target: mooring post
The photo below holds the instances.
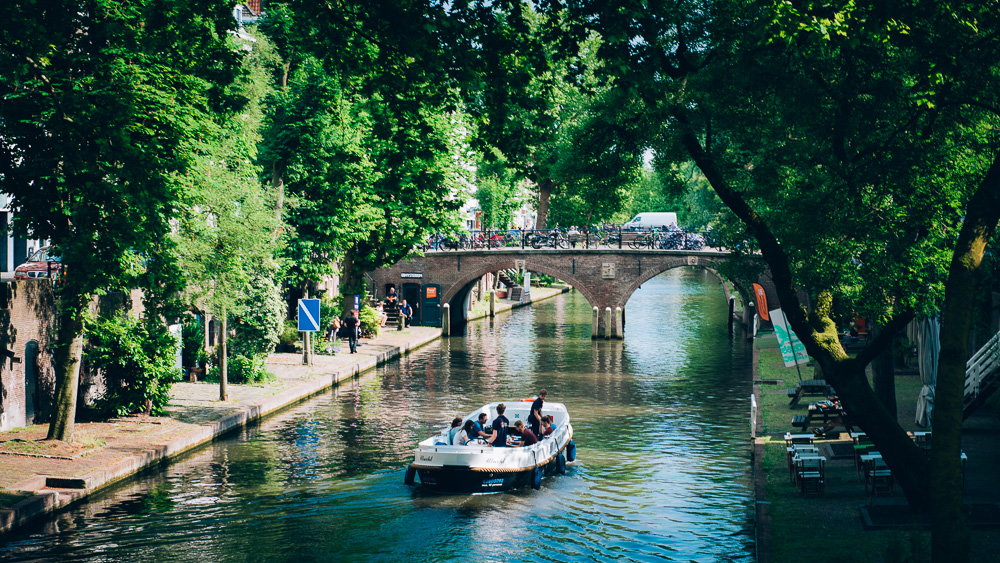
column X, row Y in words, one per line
column 619, row 332
column 607, row 323
column 493, row 303
column 595, row 322
column 445, row 319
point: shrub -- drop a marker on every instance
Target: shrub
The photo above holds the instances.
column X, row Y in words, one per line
column 136, row 359
column 258, row 328
column 241, row 369
column 193, row 337
column 371, row 322
column 289, row 334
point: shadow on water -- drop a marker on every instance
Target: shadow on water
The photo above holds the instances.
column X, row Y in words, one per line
column 659, row 418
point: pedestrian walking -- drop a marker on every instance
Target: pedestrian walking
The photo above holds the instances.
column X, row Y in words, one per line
column 352, row 324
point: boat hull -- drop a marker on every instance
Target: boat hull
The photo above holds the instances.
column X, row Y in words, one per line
column 467, row 481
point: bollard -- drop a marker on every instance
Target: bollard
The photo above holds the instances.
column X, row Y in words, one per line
column 493, row 303
column 445, row 319
column 593, row 329
column 619, row 332
column 607, row 323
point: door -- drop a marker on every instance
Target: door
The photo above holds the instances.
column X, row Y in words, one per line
column 430, row 304
column 30, row 380
column 411, row 293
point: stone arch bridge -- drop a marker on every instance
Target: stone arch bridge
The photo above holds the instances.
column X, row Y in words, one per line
column 605, row 277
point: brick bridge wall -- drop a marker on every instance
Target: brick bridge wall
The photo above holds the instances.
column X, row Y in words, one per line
column 605, row 277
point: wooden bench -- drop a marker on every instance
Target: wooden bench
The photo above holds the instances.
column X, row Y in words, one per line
column 800, row 421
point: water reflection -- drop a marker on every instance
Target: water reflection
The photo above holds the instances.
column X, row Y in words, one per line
column 662, row 472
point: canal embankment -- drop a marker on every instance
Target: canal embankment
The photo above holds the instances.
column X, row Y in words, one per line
column 847, row 522
column 36, row 480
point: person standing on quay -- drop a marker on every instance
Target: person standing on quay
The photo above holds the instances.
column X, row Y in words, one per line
column 352, row 323
column 535, row 418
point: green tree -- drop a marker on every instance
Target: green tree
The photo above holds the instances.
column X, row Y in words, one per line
column 226, row 232
column 857, row 145
column 101, row 101
column 499, row 193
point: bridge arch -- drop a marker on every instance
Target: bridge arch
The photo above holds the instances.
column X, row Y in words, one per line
column 606, row 277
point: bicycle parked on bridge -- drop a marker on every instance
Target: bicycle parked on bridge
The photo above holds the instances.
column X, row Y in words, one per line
column 553, row 238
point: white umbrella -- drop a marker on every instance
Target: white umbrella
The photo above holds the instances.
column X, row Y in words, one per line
column 928, row 346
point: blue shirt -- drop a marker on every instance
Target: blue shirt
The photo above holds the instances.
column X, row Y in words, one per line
column 500, row 424
column 476, row 429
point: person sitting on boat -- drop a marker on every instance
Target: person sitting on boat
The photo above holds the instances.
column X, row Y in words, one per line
column 456, row 426
column 499, row 437
column 547, row 427
column 480, row 427
column 465, row 435
column 527, row 436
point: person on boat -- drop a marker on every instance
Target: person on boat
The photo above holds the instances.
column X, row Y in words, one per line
column 527, row 436
column 480, row 427
column 547, row 427
column 535, row 418
column 456, row 426
column 498, row 438
column 465, row 435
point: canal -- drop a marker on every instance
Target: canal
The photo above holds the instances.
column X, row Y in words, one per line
column 663, row 464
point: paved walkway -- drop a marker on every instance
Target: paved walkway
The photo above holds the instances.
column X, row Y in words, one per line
column 106, row 452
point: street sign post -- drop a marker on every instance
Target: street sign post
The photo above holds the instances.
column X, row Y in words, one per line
column 308, row 323
column 308, row 315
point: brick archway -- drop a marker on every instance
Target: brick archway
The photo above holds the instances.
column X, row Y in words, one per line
column 605, row 277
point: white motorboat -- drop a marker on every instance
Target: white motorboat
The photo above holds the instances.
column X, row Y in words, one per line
column 481, row 468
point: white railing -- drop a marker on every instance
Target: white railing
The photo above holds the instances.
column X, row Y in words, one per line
column 982, row 365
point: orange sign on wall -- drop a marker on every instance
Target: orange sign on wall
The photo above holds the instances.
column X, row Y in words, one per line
column 758, row 292
column 432, row 292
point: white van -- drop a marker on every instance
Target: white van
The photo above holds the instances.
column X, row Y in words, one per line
column 648, row 220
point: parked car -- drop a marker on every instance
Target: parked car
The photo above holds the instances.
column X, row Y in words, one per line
column 39, row 265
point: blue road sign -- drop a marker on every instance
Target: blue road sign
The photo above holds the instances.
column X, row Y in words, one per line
column 308, row 315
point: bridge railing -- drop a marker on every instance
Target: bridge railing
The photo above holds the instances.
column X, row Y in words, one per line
column 594, row 237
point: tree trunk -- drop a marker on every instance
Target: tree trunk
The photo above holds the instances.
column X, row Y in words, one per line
column 352, row 282
column 819, row 335
column 884, row 376
column 208, row 335
column 278, row 183
column 545, row 187
column 949, row 533
column 223, row 361
column 67, row 358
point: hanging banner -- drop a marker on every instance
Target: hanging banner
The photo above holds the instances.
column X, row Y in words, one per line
column 793, row 351
column 758, row 292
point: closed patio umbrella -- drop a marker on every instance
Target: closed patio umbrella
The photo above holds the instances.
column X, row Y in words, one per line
column 928, row 346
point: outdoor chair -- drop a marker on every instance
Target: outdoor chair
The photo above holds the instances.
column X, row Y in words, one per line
column 794, row 450
column 879, row 477
column 810, row 475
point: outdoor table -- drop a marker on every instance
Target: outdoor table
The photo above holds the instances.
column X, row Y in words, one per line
column 798, row 438
column 809, row 387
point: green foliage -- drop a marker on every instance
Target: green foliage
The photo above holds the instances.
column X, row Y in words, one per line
column 226, row 235
column 259, row 326
column 193, row 338
column 243, row 370
column 289, row 334
column 329, row 311
column 136, row 360
column 499, row 192
column 370, row 321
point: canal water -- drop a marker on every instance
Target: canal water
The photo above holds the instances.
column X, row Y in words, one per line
column 662, row 474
